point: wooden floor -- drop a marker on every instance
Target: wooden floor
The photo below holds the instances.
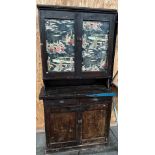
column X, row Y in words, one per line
column 110, row 149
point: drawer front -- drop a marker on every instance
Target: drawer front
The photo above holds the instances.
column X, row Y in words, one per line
column 95, row 103
column 61, row 102
column 96, row 99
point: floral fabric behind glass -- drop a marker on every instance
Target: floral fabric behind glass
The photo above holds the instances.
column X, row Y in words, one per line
column 95, row 45
column 60, row 45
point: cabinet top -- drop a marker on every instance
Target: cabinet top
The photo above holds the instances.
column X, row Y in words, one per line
column 82, row 91
column 79, row 9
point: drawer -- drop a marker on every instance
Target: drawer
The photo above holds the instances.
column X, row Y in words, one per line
column 93, row 102
column 61, row 102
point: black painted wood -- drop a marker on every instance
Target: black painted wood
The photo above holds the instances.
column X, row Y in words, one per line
column 70, row 114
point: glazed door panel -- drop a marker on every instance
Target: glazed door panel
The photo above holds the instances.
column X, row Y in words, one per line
column 58, row 43
column 97, row 44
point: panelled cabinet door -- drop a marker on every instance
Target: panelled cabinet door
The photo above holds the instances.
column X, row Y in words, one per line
column 94, row 121
column 61, row 126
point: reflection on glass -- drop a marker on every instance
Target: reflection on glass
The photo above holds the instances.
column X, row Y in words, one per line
column 95, row 45
column 60, row 45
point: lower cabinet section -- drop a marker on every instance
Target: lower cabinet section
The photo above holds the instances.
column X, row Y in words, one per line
column 86, row 122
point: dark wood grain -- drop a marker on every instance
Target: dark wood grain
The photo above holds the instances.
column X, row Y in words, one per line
column 63, row 126
column 93, row 124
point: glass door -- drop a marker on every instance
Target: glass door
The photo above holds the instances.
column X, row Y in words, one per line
column 95, row 46
column 60, row 42
column 58, row 35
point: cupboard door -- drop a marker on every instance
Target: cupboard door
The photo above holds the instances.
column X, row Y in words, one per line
column 97, row 44
column 58, row 43
column 93, row 124
column 61, row 126
column 95, row 120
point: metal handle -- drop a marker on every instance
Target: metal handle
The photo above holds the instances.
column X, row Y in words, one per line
column 95, row 99
column 61, row 101
column 75, row 108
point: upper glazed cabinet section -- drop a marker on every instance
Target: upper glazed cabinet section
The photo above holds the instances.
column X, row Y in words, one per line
column 76, row 43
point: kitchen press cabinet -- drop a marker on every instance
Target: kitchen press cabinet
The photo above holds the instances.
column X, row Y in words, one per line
column 77, row 51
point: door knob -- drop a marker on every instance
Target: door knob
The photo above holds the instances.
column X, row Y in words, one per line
column 61, row 101
column 79, row 121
